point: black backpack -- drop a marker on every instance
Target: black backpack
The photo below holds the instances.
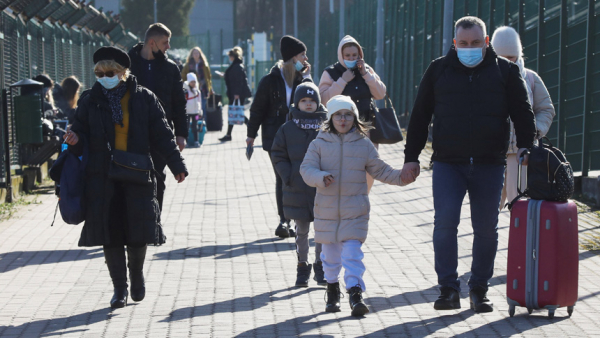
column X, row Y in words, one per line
column 549, row 174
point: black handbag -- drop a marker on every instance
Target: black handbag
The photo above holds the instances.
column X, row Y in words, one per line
column 128, row 167
column 387, row 129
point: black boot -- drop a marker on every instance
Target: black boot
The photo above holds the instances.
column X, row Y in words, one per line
column 449, row 299
column 115, row 261
column 303, row 274
column 282, row 230
column 319, row 273
column 479, row 300
column 333, row 297
column 358, row 306
column 136, row 272
column 225, row 138
column 291, row 231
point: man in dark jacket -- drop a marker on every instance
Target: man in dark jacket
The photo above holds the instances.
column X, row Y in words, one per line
column 155, row 71
column 472, row 93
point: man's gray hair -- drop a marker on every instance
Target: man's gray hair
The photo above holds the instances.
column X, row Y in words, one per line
column 468, row 22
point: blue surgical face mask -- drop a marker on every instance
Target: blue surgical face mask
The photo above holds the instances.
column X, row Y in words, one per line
column 109, row 82
column 470, row 57
column 299, row 65
column 350, row 64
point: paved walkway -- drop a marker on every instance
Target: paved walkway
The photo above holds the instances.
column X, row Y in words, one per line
column 223, row 274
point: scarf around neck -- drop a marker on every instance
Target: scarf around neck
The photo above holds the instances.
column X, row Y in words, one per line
column 114, row 102
column 309, row 124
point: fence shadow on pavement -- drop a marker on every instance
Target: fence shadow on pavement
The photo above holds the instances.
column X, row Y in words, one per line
column 227, row 251
column 50, row 327
column 240, row 304
column 18, row 259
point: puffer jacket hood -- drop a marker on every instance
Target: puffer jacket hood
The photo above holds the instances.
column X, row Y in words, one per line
column 348, row 39
column 342, row 209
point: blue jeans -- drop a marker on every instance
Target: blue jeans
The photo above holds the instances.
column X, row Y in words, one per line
column 484, row 184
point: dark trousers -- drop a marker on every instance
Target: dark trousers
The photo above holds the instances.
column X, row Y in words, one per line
column 193, row 122
column 278, row 193
column 230, row 127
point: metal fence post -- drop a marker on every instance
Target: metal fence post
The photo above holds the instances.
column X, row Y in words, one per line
column 589, row 75
column 6, row 147
column 448, row 25
column 562, row 79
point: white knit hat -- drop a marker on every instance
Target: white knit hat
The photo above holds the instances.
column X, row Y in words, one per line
column 340, row 102
column 191, row 77
column 506, row 42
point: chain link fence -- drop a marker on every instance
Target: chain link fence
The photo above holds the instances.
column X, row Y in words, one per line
column 56, row 37
column 560, row 39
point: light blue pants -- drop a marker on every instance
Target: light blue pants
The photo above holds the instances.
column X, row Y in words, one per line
column 347, row 254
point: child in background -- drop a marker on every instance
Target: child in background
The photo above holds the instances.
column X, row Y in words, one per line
column 193, row 107
column 336, row 164
column 288, row 150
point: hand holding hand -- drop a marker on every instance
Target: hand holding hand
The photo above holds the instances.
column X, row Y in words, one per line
column 180, row 177
column 410, row 172
column 348, row 76
column 328, row 180
column 71, row 138
column 180, row 142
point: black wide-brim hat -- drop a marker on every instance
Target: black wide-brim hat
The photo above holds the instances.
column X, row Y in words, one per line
column 112, row 53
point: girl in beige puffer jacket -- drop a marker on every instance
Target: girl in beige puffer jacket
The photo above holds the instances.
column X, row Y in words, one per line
column 336, row 163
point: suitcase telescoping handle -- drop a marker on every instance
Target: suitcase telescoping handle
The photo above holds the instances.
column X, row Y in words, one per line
column 521, row 159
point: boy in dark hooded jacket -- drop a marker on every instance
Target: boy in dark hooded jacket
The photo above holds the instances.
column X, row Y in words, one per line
column 287, row 152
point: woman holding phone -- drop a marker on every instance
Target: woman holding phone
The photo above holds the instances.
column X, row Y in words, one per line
column 352, row 76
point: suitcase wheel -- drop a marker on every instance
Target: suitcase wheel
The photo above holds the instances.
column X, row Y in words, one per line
column 511, row 310
column 529, row 310
column 551, row 313
column 570, row 310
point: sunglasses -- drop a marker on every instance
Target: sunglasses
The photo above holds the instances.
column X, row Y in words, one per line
column 100, row 74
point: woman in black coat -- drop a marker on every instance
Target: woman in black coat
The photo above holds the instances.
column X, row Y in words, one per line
column 270, row 108
column 118, row 114
column 236, row 82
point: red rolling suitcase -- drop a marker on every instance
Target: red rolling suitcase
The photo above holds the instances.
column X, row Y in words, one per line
column 543, row 256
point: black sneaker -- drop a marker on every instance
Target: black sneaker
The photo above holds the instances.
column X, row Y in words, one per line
column 479, row 301
column 282, row 231
column 357, row 304
column 225, row 138
column 319, row 274
column 449, row 299
column 303, row 274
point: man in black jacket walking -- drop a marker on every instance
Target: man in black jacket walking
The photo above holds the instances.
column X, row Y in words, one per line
column 155, row 71
column 471, row 92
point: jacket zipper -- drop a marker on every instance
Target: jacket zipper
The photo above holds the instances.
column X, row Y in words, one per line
column 340, row 189
column 471, row 120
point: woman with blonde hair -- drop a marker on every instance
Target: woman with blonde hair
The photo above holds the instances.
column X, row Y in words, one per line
column 270, row 108
column 198, row 64
column 236, row 82
column 118, row 121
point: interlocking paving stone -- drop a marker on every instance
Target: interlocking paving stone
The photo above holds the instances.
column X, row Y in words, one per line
column 222, row 273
